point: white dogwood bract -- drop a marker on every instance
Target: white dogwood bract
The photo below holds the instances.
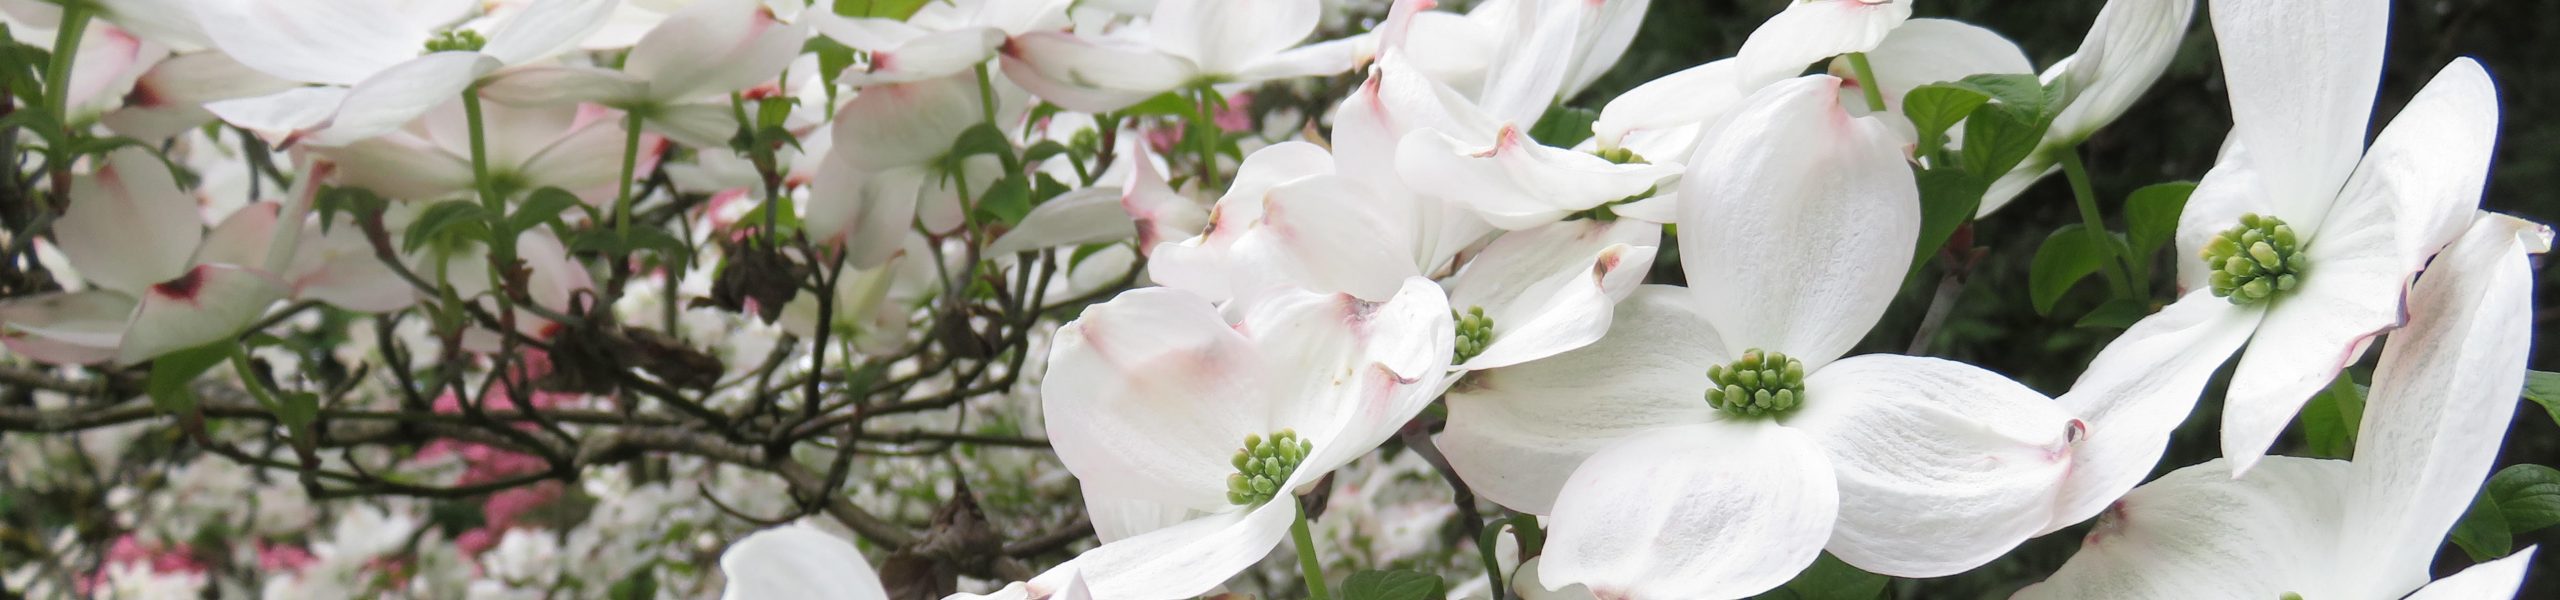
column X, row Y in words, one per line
column 1167, row 299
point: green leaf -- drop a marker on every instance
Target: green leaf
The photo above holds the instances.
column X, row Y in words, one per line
column 171, row 373
column 2067, row 256
column 1997, row 139
column 1936, row 107
column 2151, row 215
column 1831, row 579
column 2528, row 496
column 833, row 57
column 1008, row 202
column 786, row 218
column 349, row 200
column 1392, row 585
column 297, row 409
column 1564, row 126
column 897, row 10
column 2330, row 419
column 2543, row 387
column 1168, row 104
column 1947, row 199
column 438, row 219
column 979, row 139
column 2483, row 532
column 543, row 206
column 1042, row 151
column 2017, row 92
column 641, row 585
column 2115, row 314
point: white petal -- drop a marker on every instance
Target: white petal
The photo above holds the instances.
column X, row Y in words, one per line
column 2301, row 79
column 242, row 238
column 1925, row 51
column 338, row 267
column 1347, row 373
column 1710, row 510
column 1812, row 30
column 402, row 167
column 1337, row 236
column 1395, row 101
column 1224, row 36
column 544, row 85
column 696, row 125
column 1523, row 78
column 1320, row 58
column 1609, row 27
column 714, row 47
column 129, row 226
column 1942, row 466
column 2126, row 50
column 1516, row 433
column 1552, row 289
column 1090, row 75
column 1086, row 216
column 907, row 124
column 1789, row 211
column 2232, row 188
column 797, row 562
column 208, row 303
column 1150, row 395
column 2441, row 398
column 282, row 113
column 1184, row 560
column 2350, row 294
column 2431, row 161
column 2490, row 580
column 318, row 41
column 546, row 28
column 1163, row 215
column 868, row 213
column 66, row 328
column 168, row 100
column 929, row 56
column 1207, row 264
column 400, row 94
column 1694, row 95
column 2137, row 391
column 1116, row 518
column 2198, row 533
column 1516, row 183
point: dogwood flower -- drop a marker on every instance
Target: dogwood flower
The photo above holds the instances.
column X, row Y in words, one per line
column 578, row 149
column 940, row 39
column 1193, row 436
column 383, row 63
column 159, row 282
column 1715, row 442
column 2126, row 50
column 1812, row 30
column 1661, row 119
column 706, row 49
column 2339, row 239
column 797, row 562
column 1184, row 43
column 1535, row 293
column 2366, row 528
column 892, row 166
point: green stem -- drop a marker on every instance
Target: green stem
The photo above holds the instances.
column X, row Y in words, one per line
column 1307, row 565
column 57, row 75
column 630, row 164
column 1867, row 81
column 986, row 94
column 2096, row 226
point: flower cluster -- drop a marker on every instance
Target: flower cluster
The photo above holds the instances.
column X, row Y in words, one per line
column 542, row 298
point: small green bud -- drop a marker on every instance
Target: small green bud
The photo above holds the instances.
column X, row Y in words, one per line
column 1264, row 465
column 2256, row 260
column 1475, row 332
column 457, row 39
column 1759, row 383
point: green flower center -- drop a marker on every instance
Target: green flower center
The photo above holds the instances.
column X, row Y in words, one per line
column 1475, row 331
column 1263, row 465
column 1758, row 384
column 2255, row 261
column 1619, row 155
column 458, row 39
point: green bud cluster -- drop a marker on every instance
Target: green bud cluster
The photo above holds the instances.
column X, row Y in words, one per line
column 1758, row 384
column 1264, row 465
column 458, row 39
column 2256, row 260
column 1619, row 155
column 1475, row 331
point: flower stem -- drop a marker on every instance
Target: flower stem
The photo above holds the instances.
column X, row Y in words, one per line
column 630, row 164
column 1867, row 81
column 2117, row 280
column 1307, row 565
